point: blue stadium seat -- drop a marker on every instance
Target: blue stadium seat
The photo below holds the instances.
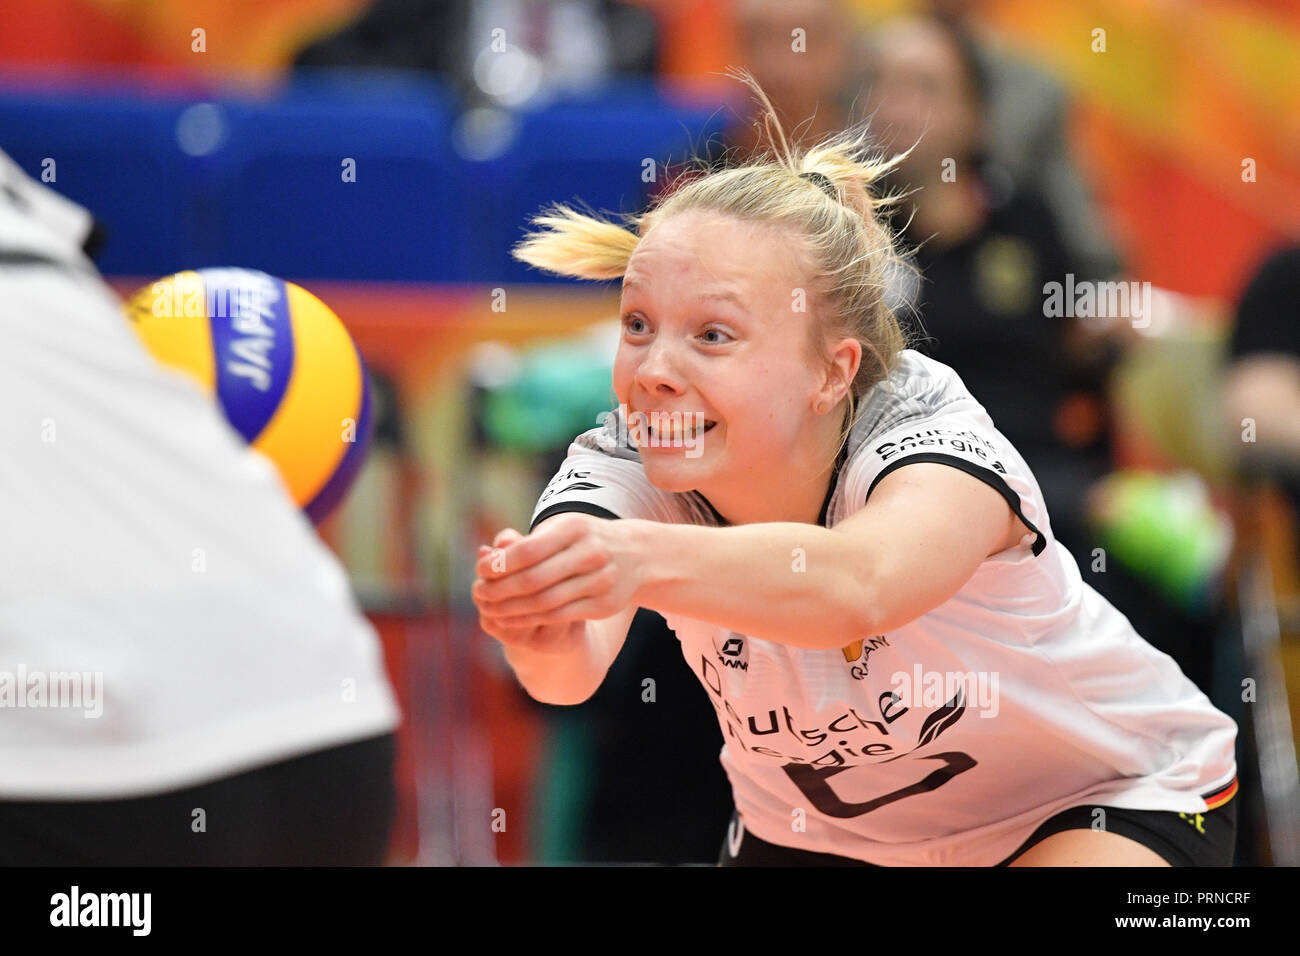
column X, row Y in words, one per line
column 258, row 181
column 281, row 203
column 591, row 147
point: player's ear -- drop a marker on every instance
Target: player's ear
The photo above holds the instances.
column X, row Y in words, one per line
column 845, row 359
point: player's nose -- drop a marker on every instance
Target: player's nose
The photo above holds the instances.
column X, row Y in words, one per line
column 659, row 369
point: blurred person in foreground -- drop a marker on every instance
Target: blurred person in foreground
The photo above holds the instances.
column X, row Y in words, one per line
column 191, row 681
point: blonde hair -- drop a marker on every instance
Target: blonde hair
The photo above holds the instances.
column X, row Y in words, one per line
column 851, row 252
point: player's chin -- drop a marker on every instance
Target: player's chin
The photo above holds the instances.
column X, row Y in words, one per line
column 677, row 469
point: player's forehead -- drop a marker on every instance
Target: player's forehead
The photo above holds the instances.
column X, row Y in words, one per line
column 705, row 255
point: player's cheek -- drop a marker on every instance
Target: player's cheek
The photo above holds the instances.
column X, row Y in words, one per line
column 624, row 369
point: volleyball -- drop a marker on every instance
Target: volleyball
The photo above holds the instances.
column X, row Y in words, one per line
column 278, row 362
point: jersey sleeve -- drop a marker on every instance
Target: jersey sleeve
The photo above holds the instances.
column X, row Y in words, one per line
column 602, row 475
column 960, row 435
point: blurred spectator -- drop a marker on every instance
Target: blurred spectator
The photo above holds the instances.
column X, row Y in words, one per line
column 1262, row 394
column 1263, row 380
column 1026, row 135
column 803, row 74
column 986, row 249
column 807, row 77
column 553, row 44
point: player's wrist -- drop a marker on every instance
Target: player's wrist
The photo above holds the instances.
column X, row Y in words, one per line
column 658, row 559
column 559, row 675
column 640, row 539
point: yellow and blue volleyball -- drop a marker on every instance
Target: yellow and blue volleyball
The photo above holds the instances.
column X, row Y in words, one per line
column 277, row 361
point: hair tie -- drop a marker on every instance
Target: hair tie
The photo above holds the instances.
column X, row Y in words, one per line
column 820, row 179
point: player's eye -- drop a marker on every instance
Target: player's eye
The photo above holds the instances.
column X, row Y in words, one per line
column 723, row 336
column 635, row 324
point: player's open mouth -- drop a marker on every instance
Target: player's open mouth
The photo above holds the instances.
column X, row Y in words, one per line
column 674, row 431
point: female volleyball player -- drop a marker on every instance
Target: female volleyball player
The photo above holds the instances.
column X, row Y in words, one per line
column 906, row 666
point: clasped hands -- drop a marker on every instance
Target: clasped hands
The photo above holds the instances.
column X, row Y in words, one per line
column 572, row 567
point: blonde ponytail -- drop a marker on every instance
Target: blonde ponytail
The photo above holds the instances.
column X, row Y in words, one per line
column 573, row 244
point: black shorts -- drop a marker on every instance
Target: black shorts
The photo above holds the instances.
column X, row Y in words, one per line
column 1182, row 839
column 327, row 808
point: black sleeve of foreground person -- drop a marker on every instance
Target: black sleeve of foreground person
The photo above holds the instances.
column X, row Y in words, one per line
column 332, row 807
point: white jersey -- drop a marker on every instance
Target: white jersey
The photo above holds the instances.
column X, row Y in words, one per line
column 948, row 740
column 167, row 615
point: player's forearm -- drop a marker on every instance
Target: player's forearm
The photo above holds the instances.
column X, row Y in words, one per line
column 562, row 678
column 791, row 583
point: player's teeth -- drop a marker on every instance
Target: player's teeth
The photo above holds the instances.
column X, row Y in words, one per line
column 674, row 432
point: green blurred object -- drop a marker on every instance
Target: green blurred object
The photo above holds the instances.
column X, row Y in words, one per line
column 1165, row 529
column 556, row 394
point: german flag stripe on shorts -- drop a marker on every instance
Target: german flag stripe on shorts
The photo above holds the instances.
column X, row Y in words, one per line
column 1217, row 798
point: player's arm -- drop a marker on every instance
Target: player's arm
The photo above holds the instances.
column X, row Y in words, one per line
column 565, row 662
column 573, row 680
column 923, row 532
column 560, row 663
column 571, row 673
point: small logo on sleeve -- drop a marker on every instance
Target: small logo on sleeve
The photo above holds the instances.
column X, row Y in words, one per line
column 579, row 486
column 552, row 490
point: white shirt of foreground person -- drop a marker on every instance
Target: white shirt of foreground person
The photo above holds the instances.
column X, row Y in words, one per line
column 949, row 740
column 167, row 615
